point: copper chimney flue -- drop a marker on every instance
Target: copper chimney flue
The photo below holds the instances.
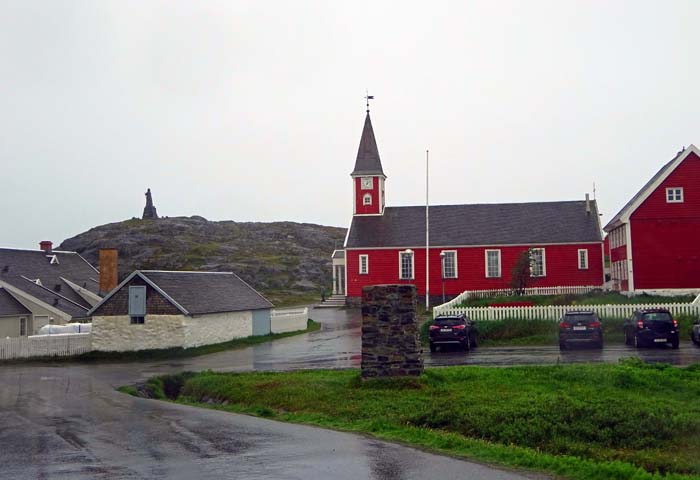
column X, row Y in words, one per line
column 109, row 270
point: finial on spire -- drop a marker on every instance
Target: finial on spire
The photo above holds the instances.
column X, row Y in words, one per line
column 368, row 97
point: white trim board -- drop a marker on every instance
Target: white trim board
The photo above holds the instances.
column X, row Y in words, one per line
column 452, row 247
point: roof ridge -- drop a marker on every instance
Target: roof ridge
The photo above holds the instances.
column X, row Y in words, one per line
column 503, row 203
column 186, row 271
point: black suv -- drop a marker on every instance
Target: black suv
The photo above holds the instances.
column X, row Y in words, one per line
column 580, row 327
column 651, row 326
column 695, row 334
column 452, row 329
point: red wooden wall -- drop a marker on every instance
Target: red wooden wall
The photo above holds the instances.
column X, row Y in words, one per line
column 561, row 268
column 666, row 236
column 359, row 193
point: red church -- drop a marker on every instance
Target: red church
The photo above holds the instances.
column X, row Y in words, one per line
column 655, row 238
column 472, row 247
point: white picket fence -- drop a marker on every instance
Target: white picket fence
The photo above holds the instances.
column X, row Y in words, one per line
column 45, row 346
column 554, row 312
column 288, row 319
column 504, row 292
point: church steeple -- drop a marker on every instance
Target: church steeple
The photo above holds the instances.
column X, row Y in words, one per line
column 368, row 162
column 368, row 176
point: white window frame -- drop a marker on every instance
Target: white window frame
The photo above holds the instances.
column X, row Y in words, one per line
column 486, row 263
column 584, row 265
column 443, row 257
column 366, row 199
column 674, row 195
column 413, row 265
column 365, row 270
column 544, row 263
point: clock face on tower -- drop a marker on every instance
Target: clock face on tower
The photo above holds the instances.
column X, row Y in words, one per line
column 367, row 183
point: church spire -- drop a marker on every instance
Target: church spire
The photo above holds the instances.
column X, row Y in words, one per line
column 368, row 162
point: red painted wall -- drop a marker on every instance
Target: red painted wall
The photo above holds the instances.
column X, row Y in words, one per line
column 359, row 193
column 666, row 236
column 561, row 265
column 619, row 253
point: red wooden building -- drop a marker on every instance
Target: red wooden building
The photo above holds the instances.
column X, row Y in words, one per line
column 655, row 238
column 472, row 247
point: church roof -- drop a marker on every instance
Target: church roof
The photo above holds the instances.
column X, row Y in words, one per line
column 479, row 224
column 368, row 162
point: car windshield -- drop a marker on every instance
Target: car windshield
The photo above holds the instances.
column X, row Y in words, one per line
column 662, row 316
column 579, row 317
column 449, row 322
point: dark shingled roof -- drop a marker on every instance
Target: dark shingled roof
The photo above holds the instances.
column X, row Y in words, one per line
column 480, row 224
column 10, row 306
column 653, row 179
column 208, row 292
column 368, row 162
column 19, row 268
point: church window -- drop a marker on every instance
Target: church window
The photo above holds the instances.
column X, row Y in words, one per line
column 406, row 265
column 364, row 264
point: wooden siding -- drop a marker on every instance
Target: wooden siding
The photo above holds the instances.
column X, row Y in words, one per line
column 666, row 236
column 361, row 209
column 561, row 268
column 118, row 304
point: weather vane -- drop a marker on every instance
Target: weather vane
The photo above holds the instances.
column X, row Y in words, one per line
column 368, row 97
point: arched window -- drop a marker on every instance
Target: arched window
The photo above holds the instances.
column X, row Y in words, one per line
column 367, row 199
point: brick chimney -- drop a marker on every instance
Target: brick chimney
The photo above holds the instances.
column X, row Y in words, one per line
column 46, row 246
column 109, row 271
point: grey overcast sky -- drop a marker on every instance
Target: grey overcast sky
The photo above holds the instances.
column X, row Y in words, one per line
column 252, row 111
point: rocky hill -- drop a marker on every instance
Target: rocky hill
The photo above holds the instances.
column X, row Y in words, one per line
column 279, row 258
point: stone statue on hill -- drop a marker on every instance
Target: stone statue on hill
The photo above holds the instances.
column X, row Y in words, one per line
column 149, row 211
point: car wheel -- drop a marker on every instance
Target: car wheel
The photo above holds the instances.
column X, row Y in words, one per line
column 637, row 341
column 628, row 341
column 433, row 348
column 600, row 343
column 562, row 345
column 675, row 344
column 467, row 344
column 473, row 340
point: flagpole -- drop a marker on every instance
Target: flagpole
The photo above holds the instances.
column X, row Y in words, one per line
column 427, row 236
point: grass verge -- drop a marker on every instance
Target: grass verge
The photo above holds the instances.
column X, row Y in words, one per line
column 178, row 352
column 629, row 421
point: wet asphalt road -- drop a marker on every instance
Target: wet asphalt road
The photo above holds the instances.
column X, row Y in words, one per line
column 65, row 421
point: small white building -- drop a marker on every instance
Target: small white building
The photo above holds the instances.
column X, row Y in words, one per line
column 165, row 309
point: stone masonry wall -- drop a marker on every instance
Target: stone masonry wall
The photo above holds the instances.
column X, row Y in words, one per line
column 390, row 332
column 217, row 328
column 117, row 334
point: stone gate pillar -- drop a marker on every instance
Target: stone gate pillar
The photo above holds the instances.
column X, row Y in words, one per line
column 390, row 332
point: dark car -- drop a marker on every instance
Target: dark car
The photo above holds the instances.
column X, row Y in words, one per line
column 580, row 327
column 452, row 330
column 695, row 334
column 651, row 326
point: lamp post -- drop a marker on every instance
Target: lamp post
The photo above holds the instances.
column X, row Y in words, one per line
column 442, row 274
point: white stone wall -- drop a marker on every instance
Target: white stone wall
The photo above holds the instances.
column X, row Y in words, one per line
column 217, row 328
column 289, row 320
column 117, row 334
